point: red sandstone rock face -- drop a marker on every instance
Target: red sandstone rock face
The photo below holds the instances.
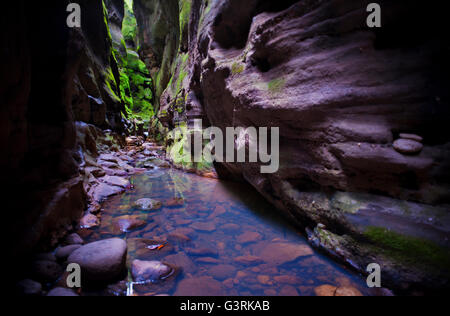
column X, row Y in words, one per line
column 340, row 92
column 342, row 95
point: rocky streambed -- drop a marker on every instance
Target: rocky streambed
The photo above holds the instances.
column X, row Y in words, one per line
column 153, row 230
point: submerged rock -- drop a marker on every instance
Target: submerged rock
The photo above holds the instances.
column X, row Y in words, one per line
column 128, row 223
column 118, row 289
column 348, row 291
column 222, row 272
column 248, row 260
column 263, row 279
column 147, row 204
column 204, row 227
column 288, row 279
column 150, row 271
column 230, row 228
column 207, row 260
column 325, row 290
column 178, row 238
column 181, row 260
column 219, row 210
column 288, row 290
column 89, row 221
column 102, row 260
column 202, row 286
column 174, row 202
column 202, row 252
column 149, row 249
column 249, row 237
column 330, row 290
column 280, row 253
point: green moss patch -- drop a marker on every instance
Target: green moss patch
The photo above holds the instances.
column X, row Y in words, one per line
column 276, row 85
column 179, row 137
column 136, row 88
column 408, row 249
column 129, row 24
column 237, row 68
column 185, row 13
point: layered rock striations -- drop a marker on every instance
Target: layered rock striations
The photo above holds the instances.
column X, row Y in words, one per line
column 360, row 110
column 363, row 113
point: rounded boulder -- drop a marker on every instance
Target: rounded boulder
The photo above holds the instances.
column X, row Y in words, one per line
column 101, row 260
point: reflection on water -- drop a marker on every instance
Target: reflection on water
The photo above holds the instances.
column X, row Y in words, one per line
column 224, row 238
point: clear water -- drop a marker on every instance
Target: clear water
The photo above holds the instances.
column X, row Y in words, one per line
column 204, row 238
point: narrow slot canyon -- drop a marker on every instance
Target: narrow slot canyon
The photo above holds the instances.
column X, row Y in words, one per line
column 108, row 127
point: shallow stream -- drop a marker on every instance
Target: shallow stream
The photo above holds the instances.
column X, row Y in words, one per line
column 224, row 238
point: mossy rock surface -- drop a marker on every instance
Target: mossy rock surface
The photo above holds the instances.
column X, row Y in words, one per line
column 410, row 250
column 276, row 85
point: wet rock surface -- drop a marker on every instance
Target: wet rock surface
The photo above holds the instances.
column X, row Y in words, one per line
column 128, row 223
column 329, row 290
column 408, row 146
column 62, row 292
column 64, row 252
column 89, row 221
column 272, row 64
column 147, row 204
column 149, row 271
column 102, row 260
column 73, row 239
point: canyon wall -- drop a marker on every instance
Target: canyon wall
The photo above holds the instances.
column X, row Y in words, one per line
column 363, row 116
column 51, row 77
column 363, row 113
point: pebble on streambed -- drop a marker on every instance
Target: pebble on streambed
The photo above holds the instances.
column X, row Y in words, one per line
column 147, row 205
